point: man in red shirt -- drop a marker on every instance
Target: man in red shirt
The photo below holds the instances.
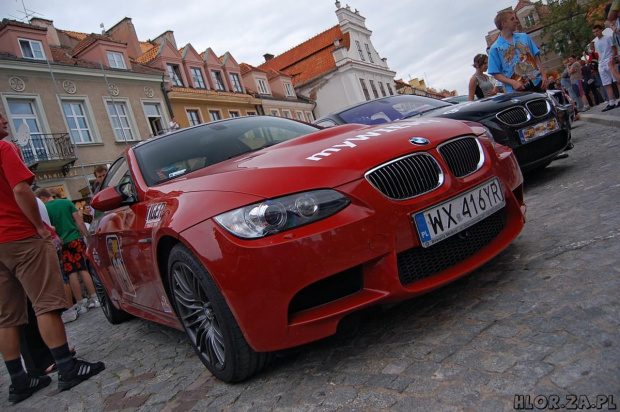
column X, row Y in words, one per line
column 29, row 267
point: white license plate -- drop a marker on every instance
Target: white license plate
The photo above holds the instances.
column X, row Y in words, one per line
column 539, row 130
column 459, row 213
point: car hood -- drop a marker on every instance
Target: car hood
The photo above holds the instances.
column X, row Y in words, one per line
column 328, row 158
column 482, row 108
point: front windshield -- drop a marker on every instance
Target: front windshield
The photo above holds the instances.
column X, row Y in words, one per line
column 164, row 158
column 391, row 109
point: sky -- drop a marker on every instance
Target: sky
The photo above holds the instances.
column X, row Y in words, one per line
column 433, row 40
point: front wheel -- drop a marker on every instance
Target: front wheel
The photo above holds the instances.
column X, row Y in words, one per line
column 208, row 321
column 113, row 315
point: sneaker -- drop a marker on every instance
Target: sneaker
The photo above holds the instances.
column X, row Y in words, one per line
column 585, row 108
column 609, row 107
column 81, row 371
column 93, row 302
column 80, row 308
column 34, row 384
column 69, row 315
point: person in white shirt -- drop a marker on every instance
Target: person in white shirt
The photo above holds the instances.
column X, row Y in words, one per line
column 607, row 52
column 174, row 125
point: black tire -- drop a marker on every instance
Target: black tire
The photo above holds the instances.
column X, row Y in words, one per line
column 210, row 325
column 113, row 315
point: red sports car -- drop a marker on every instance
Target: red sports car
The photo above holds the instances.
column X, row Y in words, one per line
column 258, row 234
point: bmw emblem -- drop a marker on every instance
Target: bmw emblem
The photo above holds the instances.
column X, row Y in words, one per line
column 420, row 141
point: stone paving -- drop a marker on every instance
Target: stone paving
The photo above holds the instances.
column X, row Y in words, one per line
column 541, row 319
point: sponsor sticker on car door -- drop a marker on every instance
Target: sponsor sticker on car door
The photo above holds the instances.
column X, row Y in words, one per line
column 442, row 221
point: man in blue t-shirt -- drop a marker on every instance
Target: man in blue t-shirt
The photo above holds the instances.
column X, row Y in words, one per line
column 514, row 59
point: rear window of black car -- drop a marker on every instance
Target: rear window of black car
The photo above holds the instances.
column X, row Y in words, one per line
column 166, row 157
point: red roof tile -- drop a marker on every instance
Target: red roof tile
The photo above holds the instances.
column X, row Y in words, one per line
column 149, row 55
column 310, row 59
column 90, row 39
column 7, row 22
column 74, row 34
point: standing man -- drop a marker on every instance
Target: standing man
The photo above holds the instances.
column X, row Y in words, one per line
column 71, row 229
column 29, row 268
column 606, row 51
column 514, row 59
column 100, row 172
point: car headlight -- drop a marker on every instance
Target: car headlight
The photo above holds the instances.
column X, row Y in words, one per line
column 284, row 213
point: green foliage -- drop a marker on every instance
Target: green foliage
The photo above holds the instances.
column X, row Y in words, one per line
column 567, row 24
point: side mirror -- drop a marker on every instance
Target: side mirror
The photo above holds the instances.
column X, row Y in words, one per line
column 111, row 198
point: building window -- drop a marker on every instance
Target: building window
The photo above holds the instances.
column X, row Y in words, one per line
column 175, row 75
column 309, row 116
column 153, row 115
column 194, row 117
column 77, row 122
column 382, row 89
column 24, row 112
column 32, row 49
column 215, row 115
column 217, row 80
column 250, row 113
column 390, row 89
column 262, row 86
column 369, row 53
column 233, row 113
column 199, row 81
column 374, row 89
column 236, row 83
column 287, row 114
column 119, row 118
column 116, row 60
column 275, row 112
column 290, row 92
column 365, row 89
column 300, row 116
column 530, row 20
column 359, row 50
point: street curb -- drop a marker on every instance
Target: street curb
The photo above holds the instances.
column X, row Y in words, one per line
column 600, row 119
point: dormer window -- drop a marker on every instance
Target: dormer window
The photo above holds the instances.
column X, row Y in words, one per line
column 217, row 80
column 236, row 83
column 175, row 75
column 199, row 82
column 32, row 49
column 530, row 20
column 289, row 90
column 116, row 60
column 262, row 86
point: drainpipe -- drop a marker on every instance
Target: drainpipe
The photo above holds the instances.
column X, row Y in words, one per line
column 166, row 91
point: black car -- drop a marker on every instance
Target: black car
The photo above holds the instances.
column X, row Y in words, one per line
column 531, row 124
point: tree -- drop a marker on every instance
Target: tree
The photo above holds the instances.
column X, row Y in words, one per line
column 567, row 24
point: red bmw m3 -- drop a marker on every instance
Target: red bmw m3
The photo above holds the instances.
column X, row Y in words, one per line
column 258, row 234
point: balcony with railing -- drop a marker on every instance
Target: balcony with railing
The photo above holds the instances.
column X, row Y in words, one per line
column 48, row 152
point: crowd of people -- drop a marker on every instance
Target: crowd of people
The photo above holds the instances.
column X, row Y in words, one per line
column 514, row 63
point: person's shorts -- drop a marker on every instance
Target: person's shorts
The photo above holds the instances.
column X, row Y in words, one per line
column 29, row 267
column 65, row 277
column 73, row 256
column 605, row 72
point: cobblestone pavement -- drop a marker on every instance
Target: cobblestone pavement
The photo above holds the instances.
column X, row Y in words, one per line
column 542, row 318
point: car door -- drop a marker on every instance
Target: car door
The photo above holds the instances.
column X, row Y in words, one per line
column 124, row 250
